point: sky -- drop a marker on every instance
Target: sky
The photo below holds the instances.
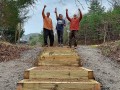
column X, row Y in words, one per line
column 35, row 22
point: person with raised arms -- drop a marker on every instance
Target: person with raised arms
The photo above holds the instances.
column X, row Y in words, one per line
column 60, row 27
column 47, row 28
column 74, row 27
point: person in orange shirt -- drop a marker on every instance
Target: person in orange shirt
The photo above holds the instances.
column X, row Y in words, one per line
column 47, row 28
column 74, row 27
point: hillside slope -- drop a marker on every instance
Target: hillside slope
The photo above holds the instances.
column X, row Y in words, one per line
column 112, row 50
column 9, row 51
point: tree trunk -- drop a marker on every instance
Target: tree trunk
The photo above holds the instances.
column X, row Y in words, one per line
column 105, row 32
column 16, row 36
column 19, row 31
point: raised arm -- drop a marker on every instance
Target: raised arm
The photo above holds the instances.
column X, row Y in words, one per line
column 43, row 11
column 67, row 15
column 56, row 13
column 80, row 15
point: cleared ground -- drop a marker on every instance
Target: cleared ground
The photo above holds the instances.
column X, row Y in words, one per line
column 106, row 70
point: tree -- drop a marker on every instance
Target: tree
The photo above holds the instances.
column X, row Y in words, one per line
column 95, row 7
column 13, row 13
column 91, row 22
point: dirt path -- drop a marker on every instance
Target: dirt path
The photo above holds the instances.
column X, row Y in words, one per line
column 12, row 71
column 106, row 71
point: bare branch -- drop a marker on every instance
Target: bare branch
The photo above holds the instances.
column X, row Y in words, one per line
column 79, row 3
column 110, row 3
column 86, row 2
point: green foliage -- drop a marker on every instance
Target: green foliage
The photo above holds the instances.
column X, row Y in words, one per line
column 36, row 40
column 65, row 36
column 41, row 38
column 13, row 12
column 10, row 35
column 95, row 7
column 98, row 26
column 89, row 30
column 33, row 40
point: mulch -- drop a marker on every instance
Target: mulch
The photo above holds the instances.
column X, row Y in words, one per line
column 11, row 52
column 112, row 50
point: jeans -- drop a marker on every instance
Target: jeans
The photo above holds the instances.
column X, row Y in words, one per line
column 48, row 33
column 60, row 36
column 73, row 37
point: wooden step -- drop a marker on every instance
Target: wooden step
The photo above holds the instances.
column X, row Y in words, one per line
column 59, row 56
column 51, row 84
column 58, row 48
column 60, row 72
column 59, row 69
column 57, row 51
column 50, row 61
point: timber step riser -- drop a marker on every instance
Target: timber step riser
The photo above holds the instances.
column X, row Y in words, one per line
column 64, row 74
column 59, row 86
column 58, row 69
column 59, row 62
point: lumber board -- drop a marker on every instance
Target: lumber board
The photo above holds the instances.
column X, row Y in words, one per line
column 59, row 72
column 39, row 85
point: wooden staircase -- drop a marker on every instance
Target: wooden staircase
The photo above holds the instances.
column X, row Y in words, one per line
column 58, row 69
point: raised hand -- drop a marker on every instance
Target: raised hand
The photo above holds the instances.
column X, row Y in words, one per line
column 80, row 14
column 55, row 10
column 43, row 11
column 79, row 9
column 45, row 6
column 66, row 10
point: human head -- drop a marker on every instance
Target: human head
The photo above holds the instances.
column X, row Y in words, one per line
column 75, row 16
column 60, row 16
column 48, row 14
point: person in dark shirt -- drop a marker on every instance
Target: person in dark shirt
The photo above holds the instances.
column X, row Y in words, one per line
column 60, row 27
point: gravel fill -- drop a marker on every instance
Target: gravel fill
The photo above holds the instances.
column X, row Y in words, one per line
column 12, row 72
column 106, row 70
